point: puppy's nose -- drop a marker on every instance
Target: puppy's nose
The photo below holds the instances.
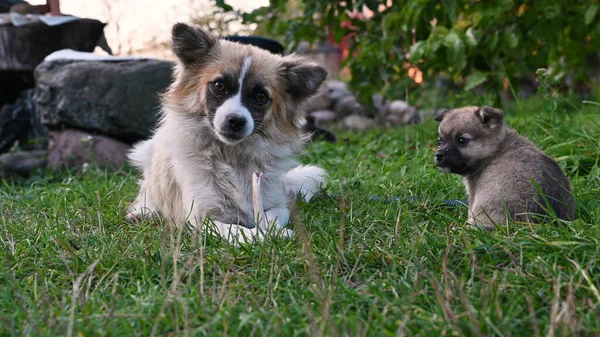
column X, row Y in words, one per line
column 235, row 122
column 439, row 156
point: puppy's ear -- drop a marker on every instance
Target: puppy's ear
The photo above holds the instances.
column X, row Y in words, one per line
column 303, row 78
column 490, row 116
column 191, row 44
column 441, row 116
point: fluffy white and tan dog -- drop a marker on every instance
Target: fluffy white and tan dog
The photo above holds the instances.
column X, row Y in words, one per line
column 232, row 110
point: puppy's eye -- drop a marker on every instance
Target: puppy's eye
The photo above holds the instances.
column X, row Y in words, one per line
column 439, row 141
column 219, row 86
column 463, row 140
column 260, row 98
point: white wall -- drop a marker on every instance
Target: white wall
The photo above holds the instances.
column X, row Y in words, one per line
column 135, row 25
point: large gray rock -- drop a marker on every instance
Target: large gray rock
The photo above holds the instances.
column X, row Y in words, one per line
column 18, row 122
column 399, row 112
column 329, row 93
column 117, row 99
column 349, row 105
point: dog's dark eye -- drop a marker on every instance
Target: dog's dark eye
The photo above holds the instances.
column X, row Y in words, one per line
column 463, row 140
column 260, row 98
column 219, row 86
column 439, row 141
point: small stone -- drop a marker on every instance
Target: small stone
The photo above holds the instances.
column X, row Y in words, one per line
column 378, row 102
column 399, row 112
column 395, row 107
column 21, row 164
column 323, row 116
column 348, row 105
column 358, row 122
column 320, row 101
column 74, row 149
column 337, row 89
column 330, row 92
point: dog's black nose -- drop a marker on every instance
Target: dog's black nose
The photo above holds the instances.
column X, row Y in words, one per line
column 236, row 123
column 439, row 156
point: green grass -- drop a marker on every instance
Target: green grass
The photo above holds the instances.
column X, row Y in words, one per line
column 72, row 265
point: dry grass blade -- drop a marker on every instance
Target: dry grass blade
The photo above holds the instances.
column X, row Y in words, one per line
column 257, row 202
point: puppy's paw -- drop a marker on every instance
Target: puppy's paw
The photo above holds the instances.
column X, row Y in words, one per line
column 137, row 212
column 236, row 234
column 278, row 217
column 285, row 233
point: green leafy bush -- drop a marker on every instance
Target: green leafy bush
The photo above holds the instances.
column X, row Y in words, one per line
column 474, row 43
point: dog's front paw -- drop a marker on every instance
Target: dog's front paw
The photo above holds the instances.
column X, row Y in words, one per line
column 278, row 217
column 138, row 212
column 236, row 234
column 285, row 233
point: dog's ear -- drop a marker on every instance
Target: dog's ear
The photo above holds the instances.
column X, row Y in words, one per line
column 191, row 44
column 441, row 116
column 490, row 116
column 303, row 78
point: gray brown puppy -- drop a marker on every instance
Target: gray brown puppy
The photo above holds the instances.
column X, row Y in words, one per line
column 499, row 167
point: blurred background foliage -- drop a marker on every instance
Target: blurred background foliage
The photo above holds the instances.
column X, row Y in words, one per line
column 465, row 44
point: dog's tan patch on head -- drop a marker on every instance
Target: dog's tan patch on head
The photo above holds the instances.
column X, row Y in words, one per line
column 183, row 95
column 282, row 115
column 187, row 92
column 484, row 137
column 267, row 68
column 187, row 86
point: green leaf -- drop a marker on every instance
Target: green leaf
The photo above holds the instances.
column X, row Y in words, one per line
column 255, row 15
column 512, row 40
column 475, row 79
column 389, row 23
column 470, row 37
column 416, row 51
column 451, row 7
column 436, row 39
column 493, row 41
column 590, row 14
column 452, row 40
column 439, row 31
column 456, row 54
column 552, row 11
column 222, row 4
column 433, row 43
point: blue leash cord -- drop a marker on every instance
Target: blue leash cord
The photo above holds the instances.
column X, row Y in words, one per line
column 379, row 198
